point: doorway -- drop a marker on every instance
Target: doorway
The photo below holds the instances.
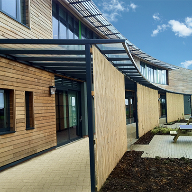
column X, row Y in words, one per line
column 162, row 105
column 68, row 124
column 130, row 107
column 187, row 104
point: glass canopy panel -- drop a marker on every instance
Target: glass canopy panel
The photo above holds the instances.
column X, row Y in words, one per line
column 122, row 55
column 122, row 62
column 115, row 46
column 49, row 56
column 126, row 67
column 41, row 47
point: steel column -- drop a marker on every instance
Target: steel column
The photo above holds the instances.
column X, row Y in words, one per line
column 90, row 116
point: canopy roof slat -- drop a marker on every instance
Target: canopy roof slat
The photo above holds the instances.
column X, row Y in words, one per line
column 68, row 57
column 89, row 11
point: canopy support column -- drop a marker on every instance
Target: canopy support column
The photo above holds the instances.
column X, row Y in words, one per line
column 90, row 116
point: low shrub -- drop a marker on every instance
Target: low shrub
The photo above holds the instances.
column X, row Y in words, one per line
column 162, row 130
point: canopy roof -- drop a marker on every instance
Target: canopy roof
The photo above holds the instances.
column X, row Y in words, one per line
column 67, row 57
column 91, row 14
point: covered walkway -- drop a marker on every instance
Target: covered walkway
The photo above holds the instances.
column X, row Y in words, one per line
column 66, row 168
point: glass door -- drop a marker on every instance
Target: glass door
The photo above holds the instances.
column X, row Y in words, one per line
column 62, row 117
column 67, row 116
column 73, row 123
column 162, row 105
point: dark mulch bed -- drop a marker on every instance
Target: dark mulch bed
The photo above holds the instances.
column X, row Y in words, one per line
column 182, row 121
column 136, row 174
column 145, row 139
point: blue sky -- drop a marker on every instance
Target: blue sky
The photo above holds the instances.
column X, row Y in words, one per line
column 161, row 28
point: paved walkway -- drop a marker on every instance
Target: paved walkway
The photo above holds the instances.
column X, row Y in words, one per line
column 65, row 169
column 163, row 146
column 131, row 135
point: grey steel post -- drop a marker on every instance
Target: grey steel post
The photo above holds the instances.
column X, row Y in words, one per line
column 90, row 116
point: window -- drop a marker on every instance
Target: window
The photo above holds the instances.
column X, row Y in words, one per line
column 29, row 110
column 66, row 26
column 153, row 74
column 62, row 32
column 55, row 28
column 6, row 110
column 17, row 9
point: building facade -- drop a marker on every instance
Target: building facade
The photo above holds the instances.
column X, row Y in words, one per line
column 49, row 43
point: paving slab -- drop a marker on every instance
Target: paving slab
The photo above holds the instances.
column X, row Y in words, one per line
column 131, row 135
column 163, row 146
column 66, row 168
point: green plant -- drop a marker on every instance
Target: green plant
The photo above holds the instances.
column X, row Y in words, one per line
column 170, row 123
column 166, row 161
column 162, row 130
column 157, row 157
column 182, row 158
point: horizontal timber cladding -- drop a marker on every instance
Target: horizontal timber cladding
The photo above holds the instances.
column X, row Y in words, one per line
column 22, row 143
column 175, row 106
column 40, row 19
column 147, row 109
column 110, row 119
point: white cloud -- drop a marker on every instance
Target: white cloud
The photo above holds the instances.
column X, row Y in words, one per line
column 112, row 9
column 186, row 64
column 133, row 6
column 156, row 16
column 111, row 16
column 159, row 29
column 113, row 5
column 188, row 21
column 181, row 29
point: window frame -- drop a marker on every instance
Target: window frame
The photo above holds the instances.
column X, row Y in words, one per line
column 29, row 115
column 18, row 13
column 10, row 96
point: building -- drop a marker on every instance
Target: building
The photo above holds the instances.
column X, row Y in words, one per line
column 68, row 44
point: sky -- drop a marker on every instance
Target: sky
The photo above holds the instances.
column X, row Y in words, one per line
column 160, row 28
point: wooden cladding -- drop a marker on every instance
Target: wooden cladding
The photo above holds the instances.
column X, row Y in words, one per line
column 20, row 79
column 110, row 118
column 38, row 18
column 175, row 106
column 147, row 109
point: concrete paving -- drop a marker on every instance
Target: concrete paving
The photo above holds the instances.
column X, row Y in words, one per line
column 65, row 169
column 163, row 146
column 131, row 135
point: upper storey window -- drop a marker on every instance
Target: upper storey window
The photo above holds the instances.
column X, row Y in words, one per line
column 66, row 26
column 153, row 74
column 17, row 9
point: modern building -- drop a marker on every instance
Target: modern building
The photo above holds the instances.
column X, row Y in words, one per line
column 102, row 82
